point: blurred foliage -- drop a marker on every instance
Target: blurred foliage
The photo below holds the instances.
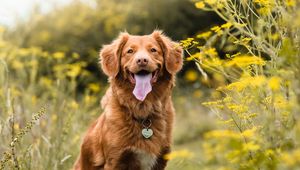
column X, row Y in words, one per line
column 84, row 27
column 33, row 80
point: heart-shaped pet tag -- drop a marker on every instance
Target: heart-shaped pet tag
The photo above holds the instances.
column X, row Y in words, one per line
column 147, row 133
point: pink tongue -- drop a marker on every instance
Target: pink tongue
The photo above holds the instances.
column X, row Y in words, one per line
column 142, row 86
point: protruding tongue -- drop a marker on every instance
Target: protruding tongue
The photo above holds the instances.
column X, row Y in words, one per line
column 142, row 86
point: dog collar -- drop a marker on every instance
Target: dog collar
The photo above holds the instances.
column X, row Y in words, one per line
column 147, row 132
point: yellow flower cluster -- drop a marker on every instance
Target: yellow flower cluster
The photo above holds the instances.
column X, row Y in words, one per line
column 179, row 154
column 244, row 61
column 245, row 82
column 203, row 4
column 222, row 134
column 258, row 109
column 291, row 159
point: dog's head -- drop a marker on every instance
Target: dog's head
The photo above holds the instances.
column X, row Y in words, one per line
column 141, row 60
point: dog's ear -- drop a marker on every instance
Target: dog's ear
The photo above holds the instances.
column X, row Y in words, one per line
column 110, row 55
column 172, row 52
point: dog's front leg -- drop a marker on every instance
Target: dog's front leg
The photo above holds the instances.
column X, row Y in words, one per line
column 161, row 162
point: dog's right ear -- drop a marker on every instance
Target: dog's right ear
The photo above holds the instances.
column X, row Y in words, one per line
column 172, row 52
column 110, row 55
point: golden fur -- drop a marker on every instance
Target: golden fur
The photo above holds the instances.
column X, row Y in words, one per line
column 114, row 141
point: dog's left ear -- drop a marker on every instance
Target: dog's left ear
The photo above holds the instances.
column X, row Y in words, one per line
column 172, row 52
column 110, row 55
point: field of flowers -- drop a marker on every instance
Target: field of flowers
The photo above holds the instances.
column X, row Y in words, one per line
column 248, row 118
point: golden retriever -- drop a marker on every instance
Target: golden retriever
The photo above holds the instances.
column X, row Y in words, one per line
column 134, row 131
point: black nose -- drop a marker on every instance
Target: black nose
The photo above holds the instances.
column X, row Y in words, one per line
column 142, row 61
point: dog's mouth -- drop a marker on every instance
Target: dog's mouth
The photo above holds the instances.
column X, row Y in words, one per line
column 133, row 76
column 143, row 81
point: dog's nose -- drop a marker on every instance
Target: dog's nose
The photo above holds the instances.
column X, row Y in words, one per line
column 142, row 61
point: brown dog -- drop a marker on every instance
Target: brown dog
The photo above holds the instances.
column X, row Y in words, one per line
column 134, row 131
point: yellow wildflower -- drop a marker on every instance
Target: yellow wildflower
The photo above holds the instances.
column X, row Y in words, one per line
column 33, row 99
column 75, row 55
column 290, row 3
column 222, row 134
column 227, row 99
column 292, row 158
column 266, row 6
column 214, row 62
column 198, row 55
column 187, row 42
column 58, row 55
column 226, row 25
column 190, row 75
column 269, row 152
column 88, row 99
column 217, row 30
column 249, row 132
column 211, row 52
column 229, row 121
column 32, row 63
column 16, row 64
column 267, row 100
column 250, row 146
column 209, row 150
column 16, row 126
column 274, row 36
column 211, row 2
column 264, row 11
column 54, row 117
column 246, row 40
column 237, row 108
column 257, row 81
column 178, row 154
column 24, row 52
column 204, row 35
column 281, row 102
column 74, row 105
column 200, row 5
column 249, row 116
column 74, row 70
column 233, row 156
column 212, row 103
column 265, row 3
column 94, row 87
column 246, row 82
column 274, row 83
column 46, row 82
column 245, row 60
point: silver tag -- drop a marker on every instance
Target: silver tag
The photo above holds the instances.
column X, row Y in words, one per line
column 147, row 132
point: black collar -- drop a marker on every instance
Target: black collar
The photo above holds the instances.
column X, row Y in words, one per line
column 146, row 122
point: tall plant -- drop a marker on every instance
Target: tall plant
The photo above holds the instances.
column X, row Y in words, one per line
column 258, row 107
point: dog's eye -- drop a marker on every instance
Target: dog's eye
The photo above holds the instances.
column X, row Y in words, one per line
column 153, row 50
column 130, row 51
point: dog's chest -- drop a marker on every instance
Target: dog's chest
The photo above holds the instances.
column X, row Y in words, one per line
column 147, row 160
